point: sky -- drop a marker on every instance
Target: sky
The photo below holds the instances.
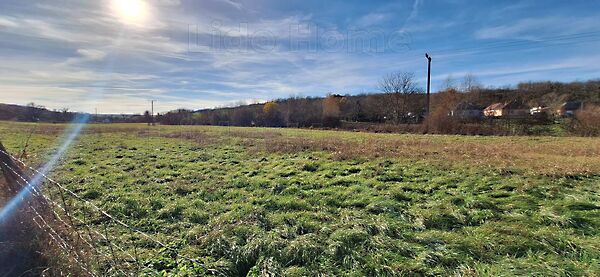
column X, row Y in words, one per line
column 117, row 55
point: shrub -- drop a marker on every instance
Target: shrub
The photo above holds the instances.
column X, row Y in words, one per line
column 587, row 121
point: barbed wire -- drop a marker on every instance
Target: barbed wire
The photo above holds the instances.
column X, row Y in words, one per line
column 72, row 226
column 110, row 217
column 35, row 192
column 54, row 235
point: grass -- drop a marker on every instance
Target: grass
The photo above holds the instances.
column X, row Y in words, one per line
column 294, row 202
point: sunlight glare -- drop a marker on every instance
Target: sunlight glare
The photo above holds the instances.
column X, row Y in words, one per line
column 133, row 12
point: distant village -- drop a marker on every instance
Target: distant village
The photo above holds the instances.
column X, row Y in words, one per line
column 514, row 110
column 533, row 108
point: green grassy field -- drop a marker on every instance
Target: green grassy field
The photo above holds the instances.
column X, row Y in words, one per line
column 306, row 202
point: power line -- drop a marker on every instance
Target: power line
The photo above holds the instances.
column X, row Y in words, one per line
column 508, row 44
column 496, row 47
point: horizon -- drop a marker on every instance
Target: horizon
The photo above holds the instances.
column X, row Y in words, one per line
column 116, row 56
column 237, row 104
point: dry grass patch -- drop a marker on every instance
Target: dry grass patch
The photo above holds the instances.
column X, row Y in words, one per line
column 551, row 157
column 199, row 137
column 255, row 135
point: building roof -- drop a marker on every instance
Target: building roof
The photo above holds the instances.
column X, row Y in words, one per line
column 513, row 105
column 495, row 106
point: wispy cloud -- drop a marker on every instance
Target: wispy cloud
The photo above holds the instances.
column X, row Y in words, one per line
column 532, row 28
column 502, row 75
column 415, row 10
column 414, row 13
column 7, row 22
column 373, row 19
column 68, row 51
column 234, row 4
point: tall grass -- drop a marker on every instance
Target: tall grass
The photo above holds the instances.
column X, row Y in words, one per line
column 322, row 203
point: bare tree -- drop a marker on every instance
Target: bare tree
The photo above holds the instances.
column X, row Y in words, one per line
column 448, row 84
column 470, row 83
column 147, row 117
column 33, row 112
column 65, row 115
column 398, row 89
column 472, row 88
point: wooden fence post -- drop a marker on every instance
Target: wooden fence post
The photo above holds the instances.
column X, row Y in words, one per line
column 9, row 167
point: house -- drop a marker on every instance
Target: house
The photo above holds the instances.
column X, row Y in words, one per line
column 512, row 109
column 569, row 109
column 467, row 111
column 493, row 110
column 539, row 111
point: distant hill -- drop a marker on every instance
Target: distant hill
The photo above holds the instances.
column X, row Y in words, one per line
column 32, row 113
column 36, row 113
column 10, row 112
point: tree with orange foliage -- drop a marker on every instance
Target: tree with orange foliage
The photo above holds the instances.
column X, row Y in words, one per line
column 331, row 110
column 272, row 115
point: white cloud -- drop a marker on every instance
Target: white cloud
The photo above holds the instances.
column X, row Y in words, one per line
column 534, row 69
column 6, row 22
column 414, row 13
column 166, row 2
column 533, row 28
column 84, row 57
column 92, row 54
column 372, row 19
column 234, row 4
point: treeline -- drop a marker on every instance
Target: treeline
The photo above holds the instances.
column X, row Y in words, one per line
column 398, row 106
column 292, row 112
column 399, row 102
column 34, row 113
column 37, row 113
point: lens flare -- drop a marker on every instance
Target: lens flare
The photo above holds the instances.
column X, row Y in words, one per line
column 13, row 205
column 77, row 125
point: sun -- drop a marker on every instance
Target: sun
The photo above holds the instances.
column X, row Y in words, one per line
column 133, row 12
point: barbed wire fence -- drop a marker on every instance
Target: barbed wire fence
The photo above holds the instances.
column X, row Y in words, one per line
column 90, row 240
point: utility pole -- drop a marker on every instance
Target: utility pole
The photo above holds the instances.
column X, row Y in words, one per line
column 152, row 111
column 428, row 104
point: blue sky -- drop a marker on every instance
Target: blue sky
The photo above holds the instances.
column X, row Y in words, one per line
column 209, row 53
